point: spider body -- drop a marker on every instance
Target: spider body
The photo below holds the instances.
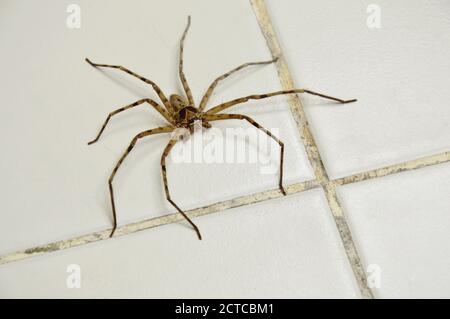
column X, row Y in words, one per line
column 180, row 112
column 187, row 116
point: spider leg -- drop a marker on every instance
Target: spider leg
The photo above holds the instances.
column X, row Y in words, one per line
column 159, row 108
column 163, row 129
column 166, row 152
column 217, row 117
column 153, row 84
column 186, row 87
column 244, row 99
column 213, row 85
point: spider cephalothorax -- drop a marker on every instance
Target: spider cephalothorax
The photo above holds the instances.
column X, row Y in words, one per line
column 187, row 116
column 182, row 113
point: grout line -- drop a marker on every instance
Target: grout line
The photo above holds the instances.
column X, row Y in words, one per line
column 221, row 206
column 157, row 221
column 312, row 151
column 396, row 168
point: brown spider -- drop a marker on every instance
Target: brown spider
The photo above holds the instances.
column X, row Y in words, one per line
column 182, row 113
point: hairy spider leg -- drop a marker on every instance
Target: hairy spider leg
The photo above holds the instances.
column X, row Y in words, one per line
column 153, row 84
column 158, row 130
column 158, row 107
column 166, row 152
column 226, row 105
column 186, row 87
column 217, row 117
column 213, row 85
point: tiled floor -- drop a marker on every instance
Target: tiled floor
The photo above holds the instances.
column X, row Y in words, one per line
column 55, row 185
column 398, row 73
column 58, row 102
column 401, row 225
column 265, row 250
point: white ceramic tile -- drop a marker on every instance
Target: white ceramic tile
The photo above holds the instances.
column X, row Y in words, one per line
column 53, row 185
column 400, row 224
column 399, row 73
column 282, row 248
